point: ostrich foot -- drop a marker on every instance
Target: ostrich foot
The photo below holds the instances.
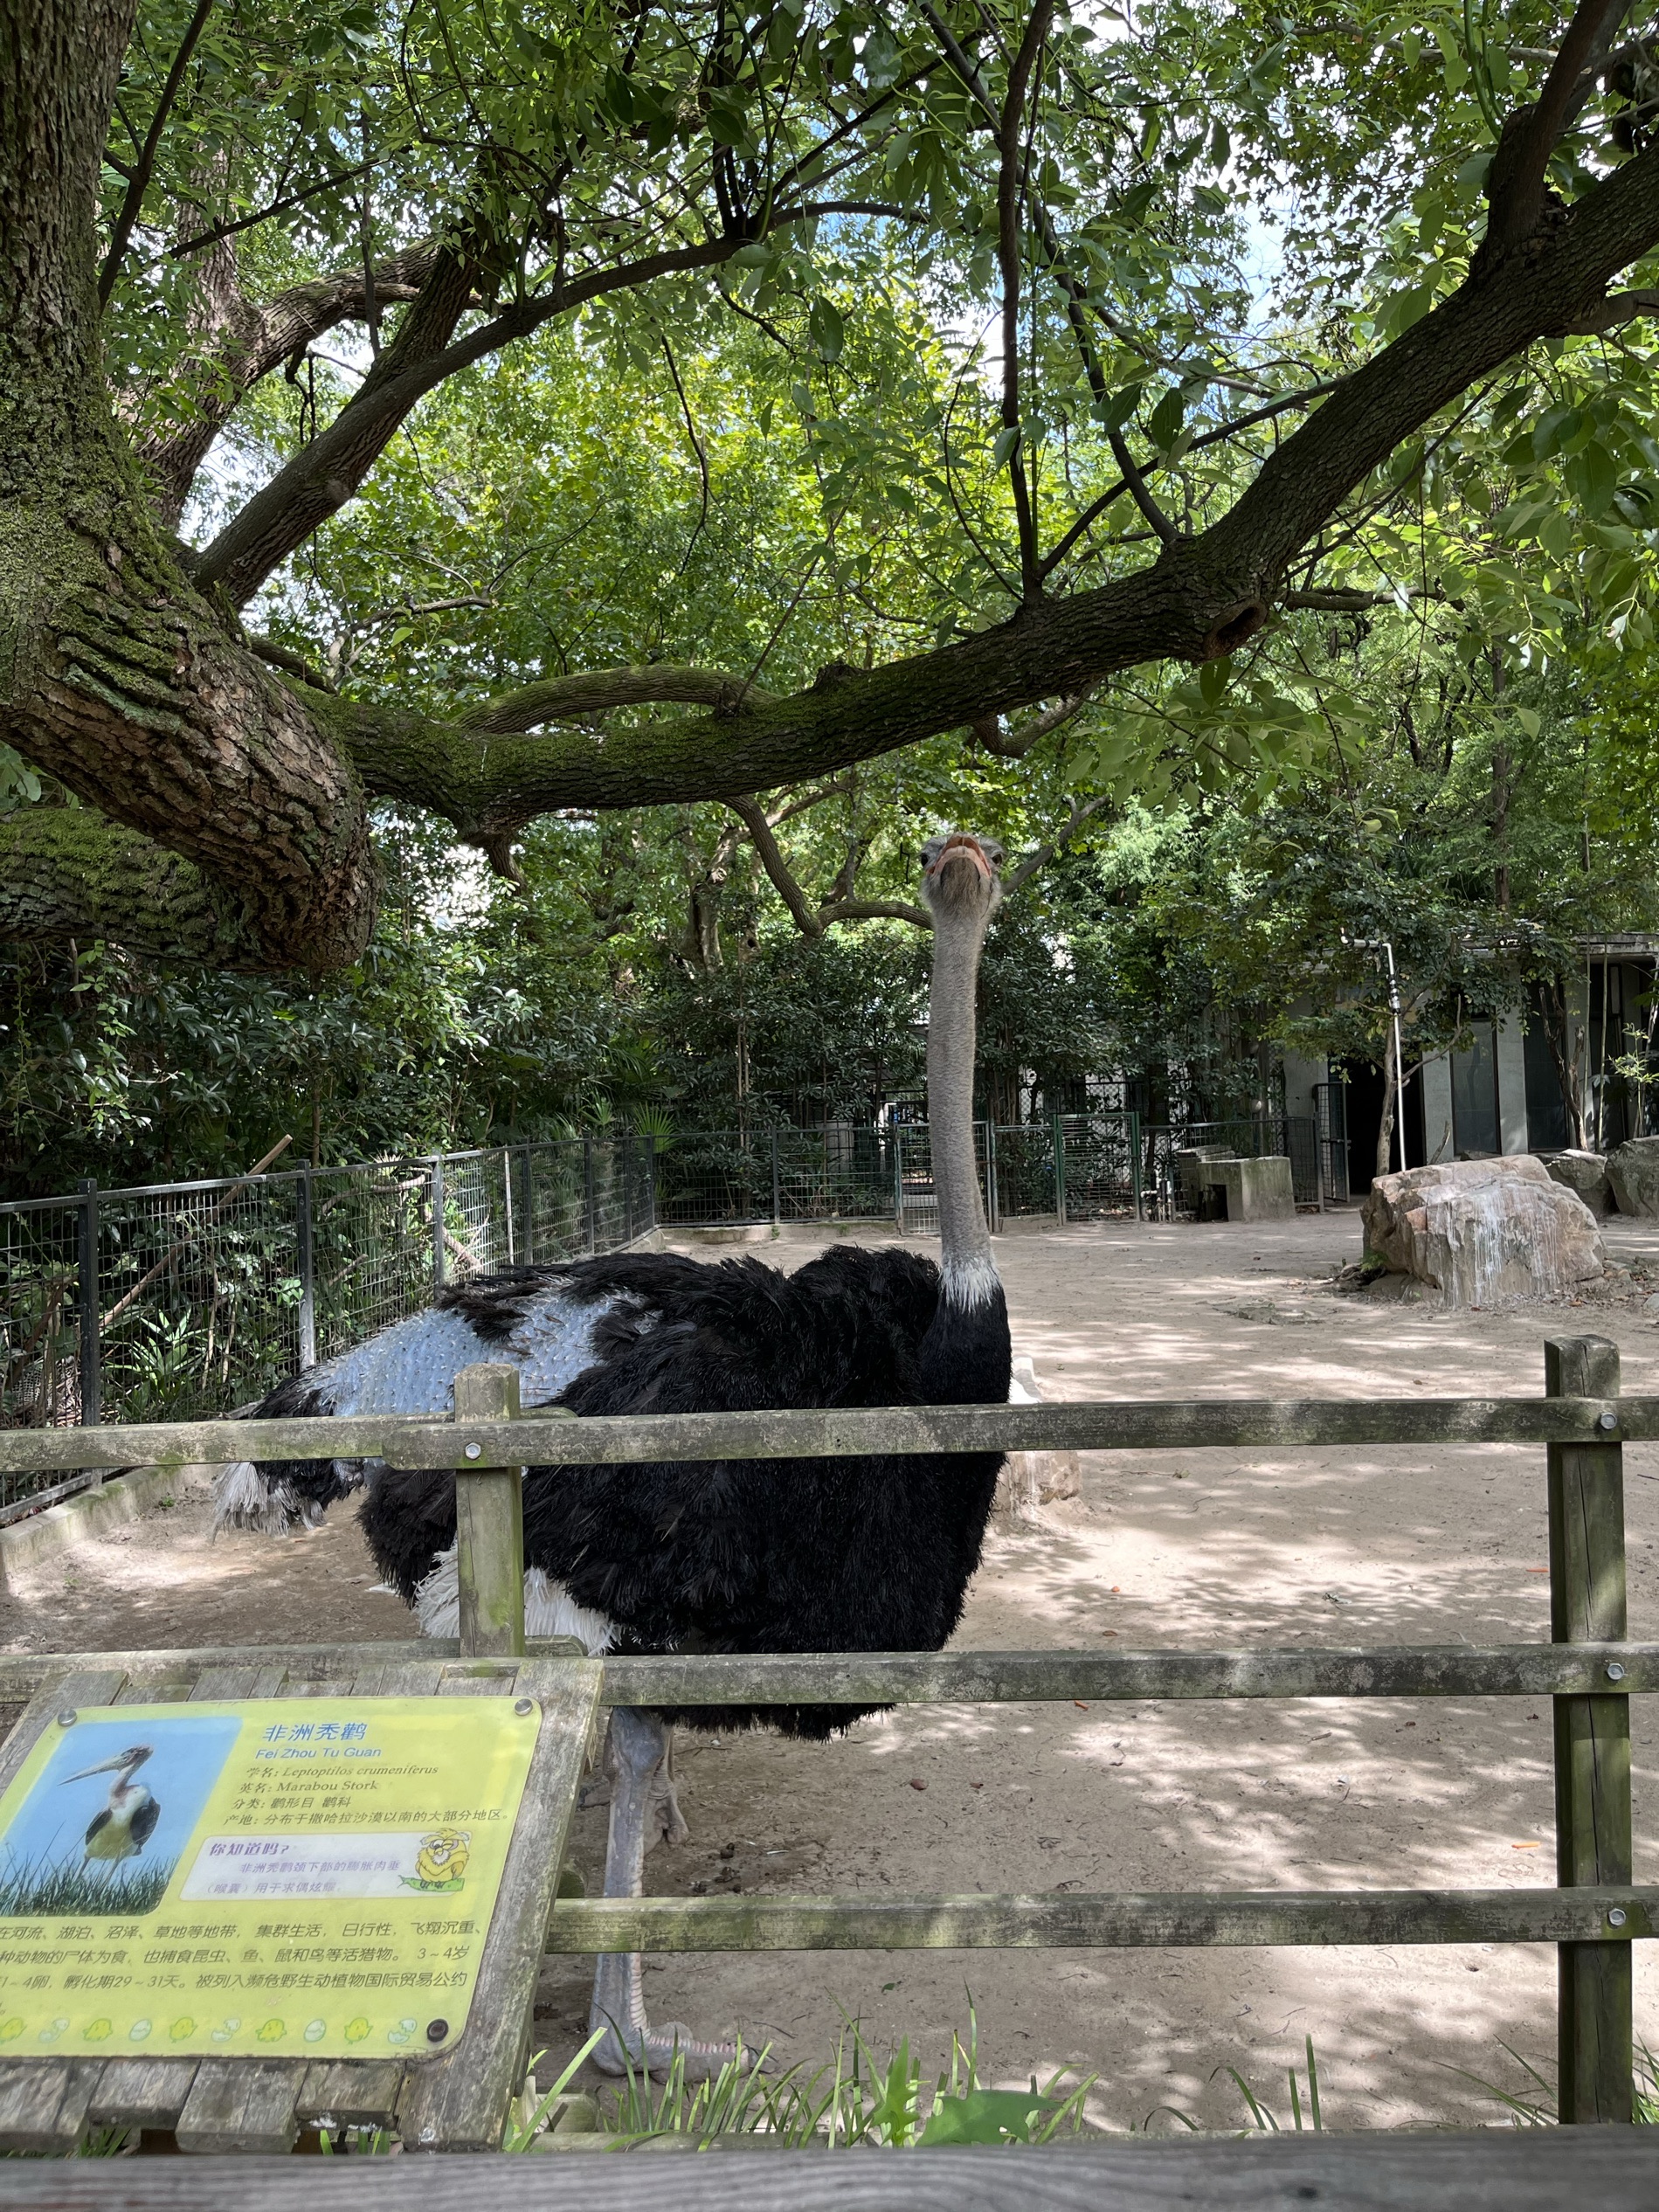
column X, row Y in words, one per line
column 636, row 1757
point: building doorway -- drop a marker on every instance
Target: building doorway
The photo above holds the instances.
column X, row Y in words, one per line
column 1362, row 1104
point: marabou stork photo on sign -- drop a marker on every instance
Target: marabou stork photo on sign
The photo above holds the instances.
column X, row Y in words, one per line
column 102, row 1829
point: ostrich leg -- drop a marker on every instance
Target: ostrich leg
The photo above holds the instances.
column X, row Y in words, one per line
column 636, row 1752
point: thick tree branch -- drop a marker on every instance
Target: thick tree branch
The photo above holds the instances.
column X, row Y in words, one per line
column 752, row 815
column 242, row 344
column 1010, row 182
column 574, row 698
column 1202, row 597
column 1618, row 308
column 317, row 482
column 1515, row 183
column 65, row 872
column 1336, row 602
column 320, row 479
column 1015, row 745
column 875, row 910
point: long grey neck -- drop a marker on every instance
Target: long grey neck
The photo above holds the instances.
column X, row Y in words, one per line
column 965, row 1241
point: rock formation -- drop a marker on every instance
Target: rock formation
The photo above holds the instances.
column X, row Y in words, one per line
column 1633, row 1170
column 1480, row 1231
column 1584, row 1173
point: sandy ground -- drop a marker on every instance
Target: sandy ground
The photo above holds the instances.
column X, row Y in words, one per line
column 1203, row 1548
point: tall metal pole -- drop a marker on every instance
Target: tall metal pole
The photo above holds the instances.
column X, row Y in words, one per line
column 437, row 1221
column 1400, row 1059
column 305, row 1259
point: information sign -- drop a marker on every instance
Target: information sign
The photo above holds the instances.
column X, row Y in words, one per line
column 308, row 1878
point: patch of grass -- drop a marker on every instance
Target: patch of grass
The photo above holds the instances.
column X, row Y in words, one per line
column 1304, row 2115
column 118, row 1893
column 852, row 2098
column 1532, row 2103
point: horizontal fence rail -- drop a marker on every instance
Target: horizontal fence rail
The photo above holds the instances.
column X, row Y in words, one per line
column 439, row 1440
column 965, row 1677
column 1168, row 1919
column 1016, row 1677
column 1589, row 1668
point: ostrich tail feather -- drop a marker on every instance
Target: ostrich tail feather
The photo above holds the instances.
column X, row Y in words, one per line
column 244, row 1498
column 549, row 1610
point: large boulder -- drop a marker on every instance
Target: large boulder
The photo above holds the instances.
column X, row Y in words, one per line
column 1483, row 1231
column 1633, row 1170
column 1584, row 1173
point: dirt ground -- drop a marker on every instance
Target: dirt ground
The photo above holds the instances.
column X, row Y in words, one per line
column 1162, row 1549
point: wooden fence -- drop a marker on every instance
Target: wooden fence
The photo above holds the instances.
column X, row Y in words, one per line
column 1589, row 1668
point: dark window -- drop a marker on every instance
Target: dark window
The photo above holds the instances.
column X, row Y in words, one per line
column 1475, row 1096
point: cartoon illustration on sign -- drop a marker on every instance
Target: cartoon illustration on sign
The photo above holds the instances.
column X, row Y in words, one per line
column 441, row 1861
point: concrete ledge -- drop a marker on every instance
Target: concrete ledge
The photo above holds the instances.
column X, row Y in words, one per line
column 89, row 1513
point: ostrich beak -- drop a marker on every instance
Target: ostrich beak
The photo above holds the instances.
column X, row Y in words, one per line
column 963, row 849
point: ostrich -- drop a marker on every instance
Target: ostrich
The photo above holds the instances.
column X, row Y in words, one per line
column 122, row 1828
column 870, row 1553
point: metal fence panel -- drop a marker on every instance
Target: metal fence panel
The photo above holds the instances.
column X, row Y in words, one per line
column 1100, row 1156
column 182, row 1299
column 39, row 1319
column 1245, row 1136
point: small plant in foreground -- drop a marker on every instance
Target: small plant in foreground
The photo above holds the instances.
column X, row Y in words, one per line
column 853, row 2100
column 1534, row 2105
column 1305, row 2116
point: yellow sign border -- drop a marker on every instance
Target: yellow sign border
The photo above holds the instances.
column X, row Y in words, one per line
column 351, row 1786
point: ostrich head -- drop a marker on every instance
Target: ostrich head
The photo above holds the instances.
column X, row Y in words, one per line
column 962, row 883
column 962, row 877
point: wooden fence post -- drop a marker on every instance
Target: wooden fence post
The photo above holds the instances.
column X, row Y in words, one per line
column 1592, row 1840
column 489, row 1524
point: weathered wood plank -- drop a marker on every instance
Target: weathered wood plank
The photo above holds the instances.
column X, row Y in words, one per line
column 22, row 1673
column 459, row 2101
column 976, row 1677
column 349, row 2093
column 1593, row 1813
column 222, row 1685
column 242, row 2104
column 142, row 2092
column 489, row 1522
column 1146, row 1425
column 947, row 1677
column 43, row 2101
column 1489, row 2170
column 1178, row 1920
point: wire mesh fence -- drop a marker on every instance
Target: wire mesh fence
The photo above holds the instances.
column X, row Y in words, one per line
column 182, row 1300
column 1295, row 1137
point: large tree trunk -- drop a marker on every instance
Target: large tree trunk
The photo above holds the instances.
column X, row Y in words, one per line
column 116, row 675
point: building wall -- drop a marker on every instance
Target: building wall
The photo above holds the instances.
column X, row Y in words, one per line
column 1511, row 1082
column 1437, row 1108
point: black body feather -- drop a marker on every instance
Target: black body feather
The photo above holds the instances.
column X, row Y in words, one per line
column 865, row 1554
